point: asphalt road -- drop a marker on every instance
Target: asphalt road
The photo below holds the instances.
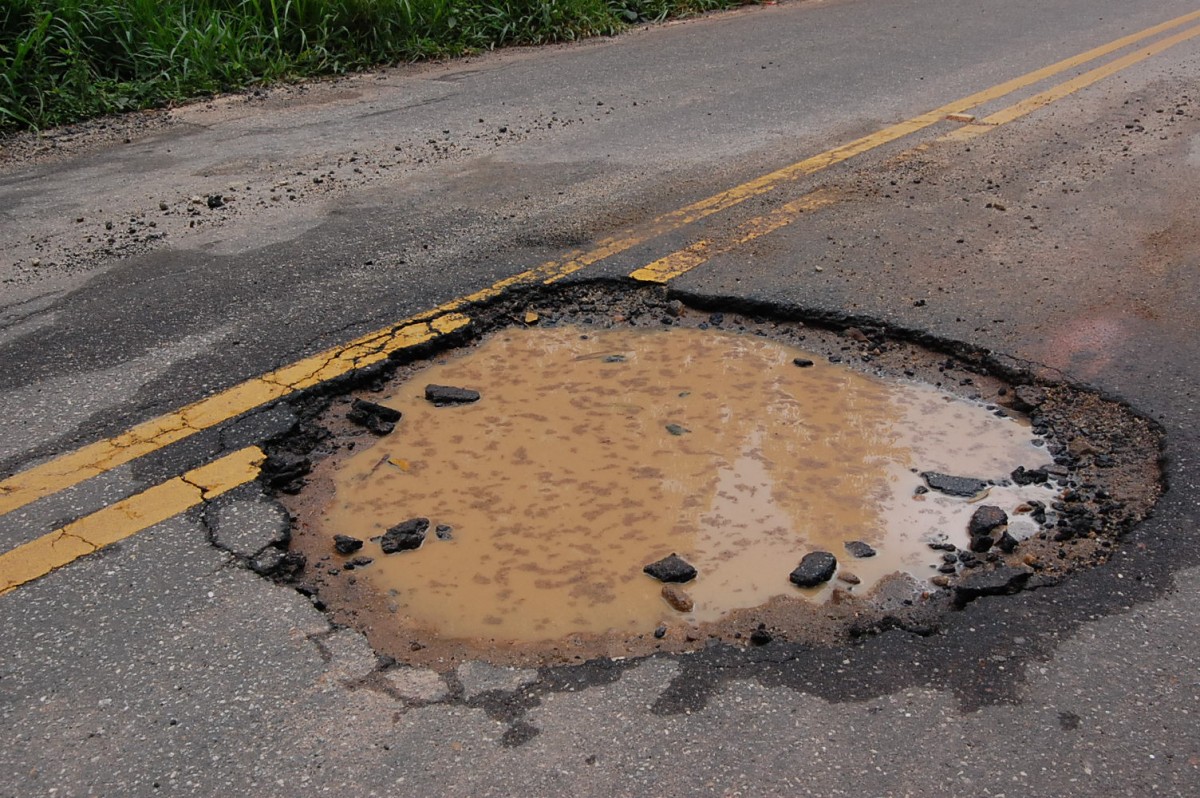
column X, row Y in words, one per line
column 1066, row 237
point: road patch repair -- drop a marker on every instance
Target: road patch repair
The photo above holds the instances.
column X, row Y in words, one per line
column 604, row 471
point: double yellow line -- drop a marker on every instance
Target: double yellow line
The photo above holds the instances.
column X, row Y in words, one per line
column 138, row 512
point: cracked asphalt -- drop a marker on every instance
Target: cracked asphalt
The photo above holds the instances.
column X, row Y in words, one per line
column 164, row 665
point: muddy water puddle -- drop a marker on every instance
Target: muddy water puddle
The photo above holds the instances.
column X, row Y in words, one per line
column 592, row 453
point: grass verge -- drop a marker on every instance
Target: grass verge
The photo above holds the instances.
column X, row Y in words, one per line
column 66, row 60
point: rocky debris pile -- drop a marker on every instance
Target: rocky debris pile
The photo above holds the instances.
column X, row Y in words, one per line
column 671, row 569
column 285, row 471
column 377, row 418
column 442, row 395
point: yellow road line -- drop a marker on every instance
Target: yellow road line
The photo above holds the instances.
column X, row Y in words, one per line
column 126, row 517
column 97, row 458
column 682, row 261
column 1042, row 99
column 94, row 459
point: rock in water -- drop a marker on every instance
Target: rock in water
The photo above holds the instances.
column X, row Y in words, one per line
column 379, row 419
column 405, row 536
column 346, row 544
column 448, row 395
column 986, row 520
column 678, row 599
column 816, row 567
column 858, row 548
column 953, row 486
column 671, row 569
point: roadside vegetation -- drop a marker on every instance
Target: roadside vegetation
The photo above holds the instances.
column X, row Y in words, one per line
column 66, row 60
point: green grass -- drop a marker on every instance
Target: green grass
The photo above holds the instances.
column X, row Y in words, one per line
column 66, row 60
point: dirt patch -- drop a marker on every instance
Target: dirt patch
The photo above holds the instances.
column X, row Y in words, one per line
column 1101, row 463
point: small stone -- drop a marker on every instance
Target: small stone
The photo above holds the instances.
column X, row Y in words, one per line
column 447, row 395
column 760, row 636
column 377, row 418
column 671, row 569
column 531, row 318
column 660, row 632
column 346, row 544
column 1007, row 543
column 1026, row 397
column 444, row 532
column 677, row 598
column 940, row 546
column 815, row 568
column 162, row 206
column 954, row 486
column 986, row 519
column 802, row 362
column 858, row 548
column 849, row 578
column 677, row 429
column 358, row 562
column 404, row 536
column 981, row 544
column 940, row 581
column 215, row 201
column 856, row 334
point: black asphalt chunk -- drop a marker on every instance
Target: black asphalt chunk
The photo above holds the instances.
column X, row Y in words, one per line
column 346, row 544
column 803, row 362
column 953, row 486
column 671, row 569
column 405, row 536
column 816, row 567
column 448, row 395
column 858, row 548
column 377, row 418
column 993, row 582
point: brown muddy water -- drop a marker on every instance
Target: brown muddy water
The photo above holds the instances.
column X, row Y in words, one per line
column 595, row 452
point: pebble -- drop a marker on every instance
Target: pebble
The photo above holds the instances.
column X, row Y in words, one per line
column 859, row 549
column 677, row 598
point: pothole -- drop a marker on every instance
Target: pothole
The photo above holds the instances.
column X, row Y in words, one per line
column 819, row 484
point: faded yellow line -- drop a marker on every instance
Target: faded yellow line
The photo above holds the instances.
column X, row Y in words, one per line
column 97, row 458
column 126, row 517
column 682, row 261
column 94, row 459
column 1042, row 99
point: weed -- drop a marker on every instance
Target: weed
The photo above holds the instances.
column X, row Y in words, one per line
column 66, row 60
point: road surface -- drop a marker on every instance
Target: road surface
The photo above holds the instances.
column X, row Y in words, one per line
column 1016, row 176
